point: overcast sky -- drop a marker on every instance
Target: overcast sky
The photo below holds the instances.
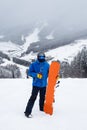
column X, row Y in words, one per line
column 66, row 12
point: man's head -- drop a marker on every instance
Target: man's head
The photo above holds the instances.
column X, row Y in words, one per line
column 41, row 57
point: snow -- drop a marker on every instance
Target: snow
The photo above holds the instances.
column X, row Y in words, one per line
column 15, row 50
column 22, row 68
column 30, row 56
column 50, row 36
column 62, row 53
column 70, row 108
column 10, row 48
column 22, row 38
column 31, row 38
column 68, row 51
column 6, row 46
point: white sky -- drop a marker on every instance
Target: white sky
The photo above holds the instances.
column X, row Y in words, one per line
column 65, row 12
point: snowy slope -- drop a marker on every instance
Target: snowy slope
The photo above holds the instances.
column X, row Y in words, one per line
column 10, row 48
column 50, row 36
column 70, row 108
column 31, row 38
column 68, row 51
column 22, row 68
column 16, row 50
column 7, row 46
column 64, row 52
column 61, row 53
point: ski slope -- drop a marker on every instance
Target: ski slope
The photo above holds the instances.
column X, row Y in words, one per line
column 70, row 108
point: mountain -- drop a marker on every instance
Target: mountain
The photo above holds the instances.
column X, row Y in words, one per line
column 40, row 38
column 65, row 51
column 11, row 53
column 48, row 33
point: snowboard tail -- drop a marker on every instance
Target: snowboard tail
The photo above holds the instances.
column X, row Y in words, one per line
column 48, row 109
column 52, row 79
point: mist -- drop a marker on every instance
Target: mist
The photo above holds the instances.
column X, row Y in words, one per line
column 63, row 13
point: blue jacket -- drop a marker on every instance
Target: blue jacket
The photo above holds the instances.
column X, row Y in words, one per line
column 39, row 67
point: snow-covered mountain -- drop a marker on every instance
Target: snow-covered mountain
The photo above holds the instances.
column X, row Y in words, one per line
column 61, row 53
column 41, row 34
column 32, row 45
column 67, row 52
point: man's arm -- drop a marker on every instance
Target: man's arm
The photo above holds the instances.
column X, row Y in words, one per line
column 31, row 71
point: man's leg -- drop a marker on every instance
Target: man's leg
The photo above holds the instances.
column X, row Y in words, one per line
column 42, row 98
column 31, row 101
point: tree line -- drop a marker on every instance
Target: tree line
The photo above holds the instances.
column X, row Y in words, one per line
column 77, row 68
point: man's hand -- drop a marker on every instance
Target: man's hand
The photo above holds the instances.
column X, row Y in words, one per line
column 39, row 76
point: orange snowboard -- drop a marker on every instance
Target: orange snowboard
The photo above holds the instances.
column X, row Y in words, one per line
column 52, row 78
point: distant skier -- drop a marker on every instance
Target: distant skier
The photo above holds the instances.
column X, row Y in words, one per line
column 39, row 72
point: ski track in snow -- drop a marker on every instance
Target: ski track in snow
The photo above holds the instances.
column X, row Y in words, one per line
column 70, row 107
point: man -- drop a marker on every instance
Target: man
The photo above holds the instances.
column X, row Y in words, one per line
column 39, row 72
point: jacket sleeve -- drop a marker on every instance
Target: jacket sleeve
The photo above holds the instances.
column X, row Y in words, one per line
column 31, row 71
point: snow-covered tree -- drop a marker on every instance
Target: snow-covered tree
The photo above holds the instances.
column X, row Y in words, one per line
column 10, row 71
column 1, row 60
column 78, row 67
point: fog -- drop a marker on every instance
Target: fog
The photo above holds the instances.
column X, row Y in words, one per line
column 64, row 13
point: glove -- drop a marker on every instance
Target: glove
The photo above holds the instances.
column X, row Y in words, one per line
column 39, row 76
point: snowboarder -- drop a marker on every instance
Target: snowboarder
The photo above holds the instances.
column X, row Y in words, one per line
column 38, row 70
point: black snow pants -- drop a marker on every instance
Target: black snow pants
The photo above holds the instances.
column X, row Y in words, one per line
column 30, row 104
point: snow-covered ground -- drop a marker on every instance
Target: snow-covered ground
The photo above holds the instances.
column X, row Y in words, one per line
column 70, row 108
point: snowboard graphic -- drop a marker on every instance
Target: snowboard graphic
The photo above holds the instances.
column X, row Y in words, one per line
column 52, row 79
